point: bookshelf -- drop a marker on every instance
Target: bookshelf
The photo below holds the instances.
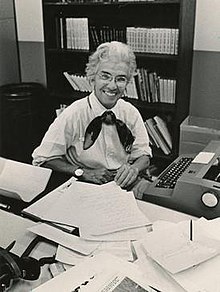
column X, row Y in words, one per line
column 168, row 25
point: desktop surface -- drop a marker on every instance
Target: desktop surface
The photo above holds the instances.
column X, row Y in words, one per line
column 14, row 227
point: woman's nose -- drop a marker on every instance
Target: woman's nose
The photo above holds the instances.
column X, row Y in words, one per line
column 112, row 84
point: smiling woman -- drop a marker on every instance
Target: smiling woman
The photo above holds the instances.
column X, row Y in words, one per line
column 101, row 135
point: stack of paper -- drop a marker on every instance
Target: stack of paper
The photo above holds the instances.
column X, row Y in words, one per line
column 108, row 218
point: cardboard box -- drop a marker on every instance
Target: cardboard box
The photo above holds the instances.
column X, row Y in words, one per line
column 196, row 133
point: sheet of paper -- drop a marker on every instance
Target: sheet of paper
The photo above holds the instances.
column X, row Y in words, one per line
column 127, row 234
column 110, row 210
column 201, row 278
column 210, row 227
column 68, row 240
column 100, row 273
column 179, row 253
column 120, row 249
column 98, row 209
column 205, row 276
column 203, row 157
column 23, row 179
column 157, row 276
column 40, row 208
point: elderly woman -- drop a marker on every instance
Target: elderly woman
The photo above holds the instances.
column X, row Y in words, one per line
column 100, row 137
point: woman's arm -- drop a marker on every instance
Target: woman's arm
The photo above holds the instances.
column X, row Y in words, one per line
column 60, row 165
column 97, row 176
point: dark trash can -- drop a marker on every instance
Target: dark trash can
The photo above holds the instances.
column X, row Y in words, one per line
column 23, row 114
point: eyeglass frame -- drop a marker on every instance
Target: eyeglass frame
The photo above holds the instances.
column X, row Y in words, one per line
column 109, row 78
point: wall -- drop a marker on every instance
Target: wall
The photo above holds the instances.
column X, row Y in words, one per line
column 9, row 65
column 31, row 40
column 205, row 89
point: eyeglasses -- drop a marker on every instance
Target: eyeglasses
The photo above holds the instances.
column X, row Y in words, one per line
column 120, row 80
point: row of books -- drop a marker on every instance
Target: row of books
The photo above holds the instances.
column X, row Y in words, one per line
column 159, row 134
column 152, row 88
column 158, row 89
column 77, row 34
column 78, row 82
column 153, row 40
column 105, row 33
column 81, row 83
column 74, row 33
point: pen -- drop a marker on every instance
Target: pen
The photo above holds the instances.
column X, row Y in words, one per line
column 191, row 230
column 11, row 245
column 155, row 289
column 57, row 225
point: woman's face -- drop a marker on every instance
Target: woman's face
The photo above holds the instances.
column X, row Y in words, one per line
column 110, row 82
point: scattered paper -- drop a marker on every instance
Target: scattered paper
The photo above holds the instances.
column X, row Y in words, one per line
column 120, row 249
column 157, row 276
column 98, row 209
column 203, row 277
column 100, row 273
column 40, row 208
column 179, row 253
column 127, row 234
column 69, row 240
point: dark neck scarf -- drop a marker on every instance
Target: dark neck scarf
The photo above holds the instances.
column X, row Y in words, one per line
column 109, row 118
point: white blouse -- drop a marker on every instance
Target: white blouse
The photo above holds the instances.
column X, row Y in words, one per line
column 65, row 136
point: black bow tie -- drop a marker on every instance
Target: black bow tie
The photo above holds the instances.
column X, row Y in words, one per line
column 109, row 118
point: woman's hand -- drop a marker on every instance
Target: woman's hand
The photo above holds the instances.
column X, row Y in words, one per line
column 140, row 188
column 98, row 176
column 126, row 175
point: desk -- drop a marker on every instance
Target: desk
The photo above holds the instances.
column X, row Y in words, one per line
column 15, row 227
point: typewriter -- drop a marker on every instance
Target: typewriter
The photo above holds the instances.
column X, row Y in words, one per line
column 190, row 184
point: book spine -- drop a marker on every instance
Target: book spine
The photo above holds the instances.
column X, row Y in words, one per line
column 151, row 134
column 159, row 137
column 164, row 131
column 71, row 81
column 176, row 41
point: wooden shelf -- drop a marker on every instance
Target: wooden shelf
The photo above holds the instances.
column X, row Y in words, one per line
column 116, row 3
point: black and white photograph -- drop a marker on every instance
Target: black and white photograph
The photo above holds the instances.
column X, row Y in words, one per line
column 109, row 145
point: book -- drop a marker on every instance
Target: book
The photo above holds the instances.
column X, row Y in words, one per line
column 131, row 90
column 151, row 134
column 164, row 130
column 140, row 85
column 77, row 33
column 78, row 83
column 158, row 136
column 146, row 84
